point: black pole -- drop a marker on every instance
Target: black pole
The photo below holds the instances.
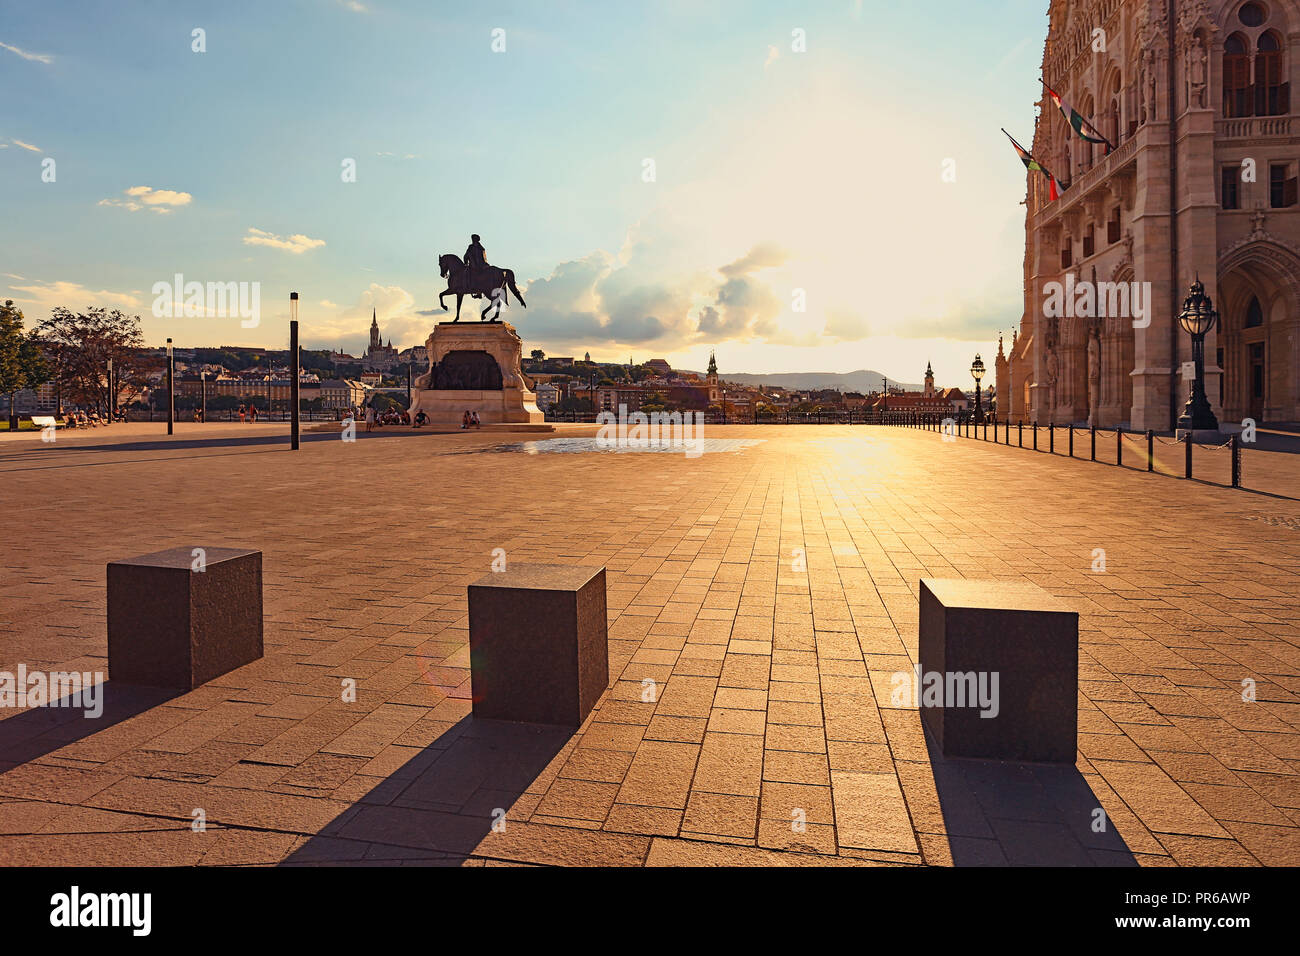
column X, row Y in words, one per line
column 1151, row 450
column 112, row 398
column 1071, row 441
column 1235, row 447
column 293, row 372
column 1119, row 445
column 171, row 377
column 203, row 397
column 1187, row 463
column 1092, row 429
column 408, row 385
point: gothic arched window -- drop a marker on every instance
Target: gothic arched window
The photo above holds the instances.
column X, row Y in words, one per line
column 1254, row 314
column 1237, row 99
column 1271, row 97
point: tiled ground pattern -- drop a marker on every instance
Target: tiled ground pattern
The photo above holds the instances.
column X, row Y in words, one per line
column 759, row 601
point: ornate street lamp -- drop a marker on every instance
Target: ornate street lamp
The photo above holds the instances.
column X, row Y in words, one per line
column 1197, row 318
column 977, row 372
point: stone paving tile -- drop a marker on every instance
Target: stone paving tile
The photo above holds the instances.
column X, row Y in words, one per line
column 766, row 597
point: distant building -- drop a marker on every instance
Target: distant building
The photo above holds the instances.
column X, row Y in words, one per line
column 548, row 395
column 378, row 356
column 659, row 367
column 416, row 356
column 341, row 394
column 929, row 400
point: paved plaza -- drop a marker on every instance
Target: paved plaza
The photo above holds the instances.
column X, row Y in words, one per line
column 760, row 599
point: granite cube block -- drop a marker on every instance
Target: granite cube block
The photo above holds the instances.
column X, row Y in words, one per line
column 179, row 618
column 1015, row 645
column 538, row 643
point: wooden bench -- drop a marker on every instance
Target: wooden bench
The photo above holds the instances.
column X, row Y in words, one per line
column 1012, row 639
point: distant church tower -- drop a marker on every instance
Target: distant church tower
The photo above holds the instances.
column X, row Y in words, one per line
column 712, row 378
column 929, row 381
column 374, row 330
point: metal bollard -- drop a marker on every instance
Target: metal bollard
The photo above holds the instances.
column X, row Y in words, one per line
column 1187, row 461
column 1119, row 445
column 1051, row 438
column 1151, row 450
column 1071, row 441
column 1093, row 430
column 1020, row 433
column 1235, row 447
column 1035, row 436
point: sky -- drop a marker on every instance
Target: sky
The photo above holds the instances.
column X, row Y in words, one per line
column 818, row 186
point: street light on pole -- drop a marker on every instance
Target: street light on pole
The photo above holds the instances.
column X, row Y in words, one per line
column 293, row 370
column 171, row 380
column 977, row 372
column 1198, row 318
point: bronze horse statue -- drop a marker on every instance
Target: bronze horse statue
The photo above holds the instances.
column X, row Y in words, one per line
column 491, row 282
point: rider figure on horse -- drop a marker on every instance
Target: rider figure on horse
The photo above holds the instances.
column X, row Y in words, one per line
column 475, row 261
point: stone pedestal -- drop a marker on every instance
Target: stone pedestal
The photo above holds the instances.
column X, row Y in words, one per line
column 475, row 367
column 1023, row 645
column 538, row 643
column 181, row 617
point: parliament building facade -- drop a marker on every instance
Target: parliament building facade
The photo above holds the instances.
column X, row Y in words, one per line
column 1198, row 181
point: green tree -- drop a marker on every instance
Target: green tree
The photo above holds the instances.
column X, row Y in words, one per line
column 537, row 355
column 81, row 345
column 22, row 365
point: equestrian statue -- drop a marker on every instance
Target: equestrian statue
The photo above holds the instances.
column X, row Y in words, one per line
column 474, row 277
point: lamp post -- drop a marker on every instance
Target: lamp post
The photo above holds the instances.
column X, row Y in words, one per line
column 203, row 397
column 171, row 379
column 293, row 371
column 724, row 406
column 112, row 394
column 977, row 372
column 1197, row 318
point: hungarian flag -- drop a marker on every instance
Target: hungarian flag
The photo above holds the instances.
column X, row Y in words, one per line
column 1081, row 126
column 1031, row 163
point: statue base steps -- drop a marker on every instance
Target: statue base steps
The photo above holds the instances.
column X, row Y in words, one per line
column 508, row 406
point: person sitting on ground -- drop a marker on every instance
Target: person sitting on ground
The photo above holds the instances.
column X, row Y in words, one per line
column 464, row 419
column 420, row 419
column 476, row 422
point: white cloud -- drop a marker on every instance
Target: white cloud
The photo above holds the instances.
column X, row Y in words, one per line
column 297, row 243
column 349, row 327
column 35, row 57
column 355, row 6
column 146, row 197
column 41, row 296
column 34, row 149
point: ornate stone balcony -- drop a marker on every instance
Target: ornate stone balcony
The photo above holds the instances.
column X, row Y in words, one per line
column 1253, row 127
column 1087, row 181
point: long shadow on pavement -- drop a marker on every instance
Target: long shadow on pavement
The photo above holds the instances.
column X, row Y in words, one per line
column 38, row 731
column 1022, row 814
column 441, row 804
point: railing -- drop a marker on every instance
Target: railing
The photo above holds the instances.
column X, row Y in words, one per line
column 1085, row 182
column 965, row 425
column 1252, row 127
